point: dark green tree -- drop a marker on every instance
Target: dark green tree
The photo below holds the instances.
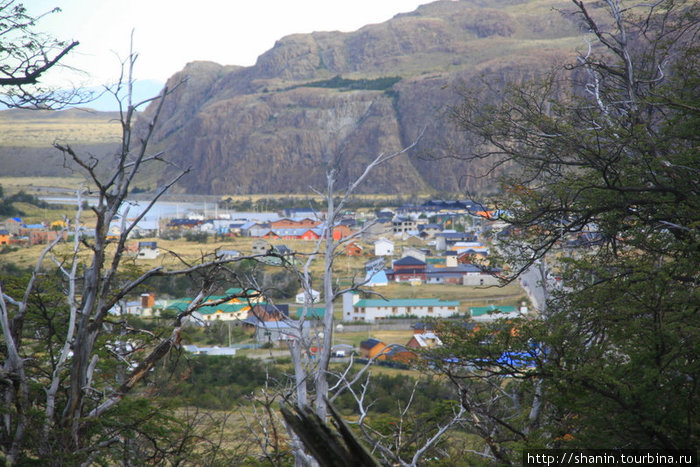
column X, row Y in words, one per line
column 601, row 168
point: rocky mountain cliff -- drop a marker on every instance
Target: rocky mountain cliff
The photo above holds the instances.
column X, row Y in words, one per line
column 329, row 97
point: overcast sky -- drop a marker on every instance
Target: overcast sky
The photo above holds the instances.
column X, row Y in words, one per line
column 170, row 33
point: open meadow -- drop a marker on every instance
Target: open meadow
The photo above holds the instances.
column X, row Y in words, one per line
column 31, row 128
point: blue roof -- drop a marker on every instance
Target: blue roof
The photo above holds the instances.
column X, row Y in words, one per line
column 369, row 343
column 376, row 277
column 517, row 359
column 409, row 261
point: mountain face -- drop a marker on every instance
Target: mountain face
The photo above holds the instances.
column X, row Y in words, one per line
column 343, row 98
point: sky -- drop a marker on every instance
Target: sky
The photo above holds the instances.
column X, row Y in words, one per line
column 168, row 34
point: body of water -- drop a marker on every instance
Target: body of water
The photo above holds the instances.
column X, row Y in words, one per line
column 170, row 209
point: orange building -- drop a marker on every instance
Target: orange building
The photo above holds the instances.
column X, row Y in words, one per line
column 293, row 223
column 370, row 348
column 353, row 249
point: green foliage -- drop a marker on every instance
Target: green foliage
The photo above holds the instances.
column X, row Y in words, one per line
column 219, row 382
column 346, row 84
column 198, row 237
column 7, row 207
column 602, row 182
column 405, row 411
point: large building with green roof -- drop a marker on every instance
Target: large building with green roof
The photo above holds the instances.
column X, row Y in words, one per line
column 233, row 306
column 370, row 310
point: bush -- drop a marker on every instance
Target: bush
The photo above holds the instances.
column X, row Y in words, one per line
column 199, row 237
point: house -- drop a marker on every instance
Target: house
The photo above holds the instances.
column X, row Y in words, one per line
column 183, row 224
column 376, row 279
column 127, row 308
column 370, row 348
column 375, row 264
column 341, row 231
column 342, row 350
column 228, row 311
column 428, row 231
column 383, row 247
column 398, row 354
column 13, row 225
column 38, row 234
column 148, row 300
column 424, row 340
column 256, row 229
column 417, row 253
column 445, row 240
column 480, row 276
column 279, row 333
column 422, row 327
column 260, row 247
column 469, row 247
column 193, row 349
column 227, row 254
column 234, row 305
column 269, row 312
column 446, row 275
column 4, row 237
column 148, row 250
column 235, row 229
column 473, row 256
column 283, row 254
column 403, row 225
column 451, row 259
column 311, row 234
column 370, row 310
column 353, row 249
column 301, row 296
column 288, row 223
column 408, row 269
column 145, row 228
column 377, row 229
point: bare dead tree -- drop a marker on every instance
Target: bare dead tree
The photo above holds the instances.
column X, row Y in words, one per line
column 314, row 372
column 26, row 56
column 57, row 391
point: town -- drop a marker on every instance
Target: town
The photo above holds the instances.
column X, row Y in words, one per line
column 417, row 262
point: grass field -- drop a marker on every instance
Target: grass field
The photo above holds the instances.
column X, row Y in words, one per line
column 40, row 129
column 30, row 184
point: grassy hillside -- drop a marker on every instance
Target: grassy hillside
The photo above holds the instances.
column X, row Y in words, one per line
column 39, row 129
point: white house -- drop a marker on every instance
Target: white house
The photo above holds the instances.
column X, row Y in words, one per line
column 148, row 250
column 383, row 247
column 315, row 296
column 370, row 310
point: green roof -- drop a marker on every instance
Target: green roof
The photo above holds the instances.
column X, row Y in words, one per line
column 224, row 308
column 406, row 302
column 238, row 291
column 441, row 260
column 482, row 310
column 181, row 304
column 314, row 313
